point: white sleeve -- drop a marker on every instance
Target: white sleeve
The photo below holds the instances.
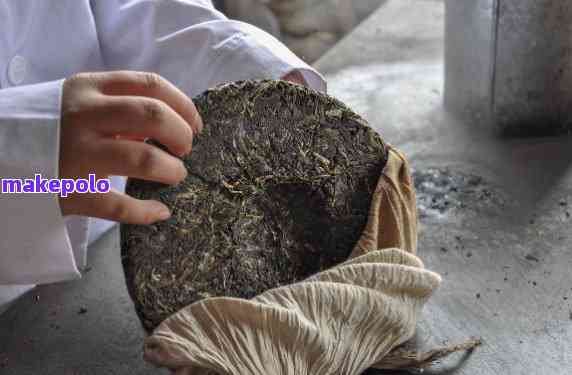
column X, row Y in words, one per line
column 34, row 245
column 191, row 44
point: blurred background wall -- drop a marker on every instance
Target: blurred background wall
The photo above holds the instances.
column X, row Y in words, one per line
column 308, row 27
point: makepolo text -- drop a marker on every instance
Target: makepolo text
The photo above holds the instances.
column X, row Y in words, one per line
column 63, row 187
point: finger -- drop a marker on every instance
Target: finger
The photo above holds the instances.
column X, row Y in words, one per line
column 139, row 118
column 115, row 206
column 151, row 85
column 119, row 157
column 132, row 138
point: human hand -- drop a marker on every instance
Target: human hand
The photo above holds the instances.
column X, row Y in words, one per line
column 295, row 77
column 105, row 118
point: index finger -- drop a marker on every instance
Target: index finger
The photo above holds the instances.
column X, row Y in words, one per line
column 151, row 85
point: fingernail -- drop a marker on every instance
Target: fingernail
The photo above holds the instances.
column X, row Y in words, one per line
column 164, row 214
column 188, row 152
column 184, row 171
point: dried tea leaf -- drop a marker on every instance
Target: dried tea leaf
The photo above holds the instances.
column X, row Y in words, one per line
column 279, row 187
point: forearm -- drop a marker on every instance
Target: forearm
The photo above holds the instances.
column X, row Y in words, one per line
column 197, row 49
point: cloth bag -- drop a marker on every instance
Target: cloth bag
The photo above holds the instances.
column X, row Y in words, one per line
column 341, row 321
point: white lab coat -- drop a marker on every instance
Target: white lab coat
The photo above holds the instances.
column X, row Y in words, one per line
column 43, row 42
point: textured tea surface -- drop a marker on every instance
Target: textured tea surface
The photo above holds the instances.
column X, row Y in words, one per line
column 279, row 187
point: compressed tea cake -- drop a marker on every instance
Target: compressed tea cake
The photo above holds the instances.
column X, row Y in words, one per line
column 279, row 187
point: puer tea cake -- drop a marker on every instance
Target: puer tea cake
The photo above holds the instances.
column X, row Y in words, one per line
column 279, row 187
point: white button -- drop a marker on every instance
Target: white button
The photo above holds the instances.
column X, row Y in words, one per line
column 17, row 70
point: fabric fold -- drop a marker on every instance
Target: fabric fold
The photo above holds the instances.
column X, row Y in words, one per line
column 340, row 321
column 392, row 219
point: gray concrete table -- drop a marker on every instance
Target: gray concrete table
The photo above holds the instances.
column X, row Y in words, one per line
column 495, row 223
column 495, row 214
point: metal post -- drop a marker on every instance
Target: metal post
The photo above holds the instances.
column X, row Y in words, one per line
column 509, row 63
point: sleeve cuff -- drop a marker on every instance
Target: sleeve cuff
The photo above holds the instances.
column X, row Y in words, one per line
column 35, row 247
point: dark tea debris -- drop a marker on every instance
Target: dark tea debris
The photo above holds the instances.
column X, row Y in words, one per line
column 443, row 190
column 532, row 258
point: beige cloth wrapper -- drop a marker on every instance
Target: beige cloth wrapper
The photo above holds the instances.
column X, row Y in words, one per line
column 340, row 321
